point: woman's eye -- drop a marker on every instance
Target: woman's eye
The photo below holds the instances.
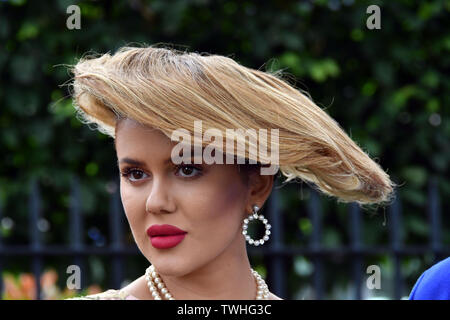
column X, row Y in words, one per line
column 134, row 173
column 187, row 171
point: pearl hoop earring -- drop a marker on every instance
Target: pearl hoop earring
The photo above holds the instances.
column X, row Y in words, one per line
column 255, row 216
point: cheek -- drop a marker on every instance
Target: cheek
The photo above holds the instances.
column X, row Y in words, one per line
column 219, row 208
column 132, row 203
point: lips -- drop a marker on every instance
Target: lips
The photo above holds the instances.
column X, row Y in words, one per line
column 165, row 236
column 164, row 230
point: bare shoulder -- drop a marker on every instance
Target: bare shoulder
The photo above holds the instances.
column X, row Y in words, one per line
column 138, row 289
column 273, row 297
column 110, row 294
column 132, row 291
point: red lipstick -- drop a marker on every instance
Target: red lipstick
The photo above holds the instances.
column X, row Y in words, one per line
column 164, row 236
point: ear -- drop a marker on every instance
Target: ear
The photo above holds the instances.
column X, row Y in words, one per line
column 260, row 187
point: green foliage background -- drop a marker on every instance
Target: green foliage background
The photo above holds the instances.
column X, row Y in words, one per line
column 388, row 88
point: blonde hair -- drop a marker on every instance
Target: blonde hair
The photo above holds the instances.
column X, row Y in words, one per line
column 168, row 89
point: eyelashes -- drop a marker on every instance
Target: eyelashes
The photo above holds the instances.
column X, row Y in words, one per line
column 129, row 172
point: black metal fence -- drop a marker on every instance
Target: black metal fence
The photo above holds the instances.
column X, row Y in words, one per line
column 275, row 249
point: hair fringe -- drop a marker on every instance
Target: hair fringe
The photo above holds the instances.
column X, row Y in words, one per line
column 168, row 89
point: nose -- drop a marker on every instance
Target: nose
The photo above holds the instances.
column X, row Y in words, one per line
column 159, row 198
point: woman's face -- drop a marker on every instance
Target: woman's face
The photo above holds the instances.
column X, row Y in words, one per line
column 207, row 201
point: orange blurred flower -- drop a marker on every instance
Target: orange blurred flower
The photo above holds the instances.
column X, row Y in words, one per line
column 12, row 290
column 23, row 287
column 28, row 286
column 93, row 289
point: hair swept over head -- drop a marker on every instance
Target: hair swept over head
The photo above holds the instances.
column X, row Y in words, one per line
column 169, row 89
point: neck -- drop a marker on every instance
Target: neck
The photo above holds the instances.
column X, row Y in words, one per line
column 227, row 277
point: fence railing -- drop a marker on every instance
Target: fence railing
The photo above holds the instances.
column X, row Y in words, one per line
column 275, row 249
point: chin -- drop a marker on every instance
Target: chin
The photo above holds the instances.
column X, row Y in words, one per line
column 171, row 267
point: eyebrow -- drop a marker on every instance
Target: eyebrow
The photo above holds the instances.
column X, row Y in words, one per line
column 136, row 162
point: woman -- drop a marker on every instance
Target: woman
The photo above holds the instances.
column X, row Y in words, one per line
column 189, row 218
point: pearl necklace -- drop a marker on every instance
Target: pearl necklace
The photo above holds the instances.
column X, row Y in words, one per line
column 154, row 283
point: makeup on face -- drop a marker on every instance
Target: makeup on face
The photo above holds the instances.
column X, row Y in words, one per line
column 170, row 207
column 165, row 236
